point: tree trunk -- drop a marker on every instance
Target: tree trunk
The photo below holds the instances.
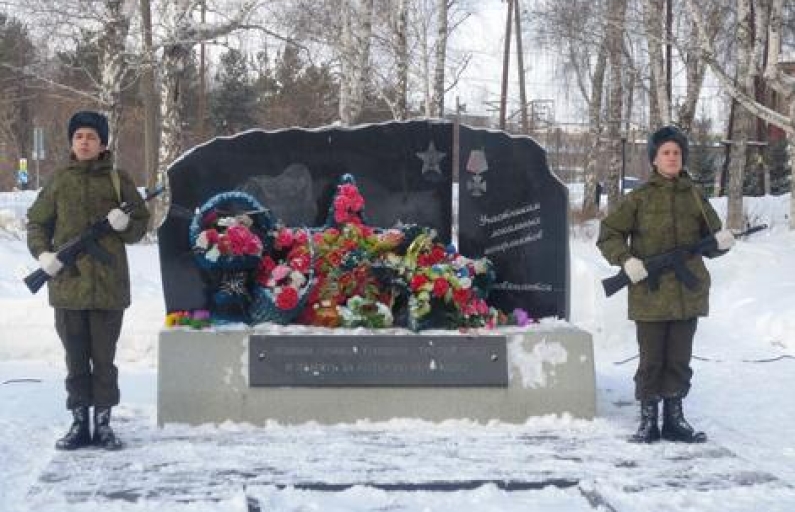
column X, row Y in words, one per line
column 402, row 51
column 441, row 56
column 357, row 33
column 653, row 20
column 149, row 97
column 589, row 206
column 616, row 17
column 745, row 120
column 791, row 153
column 346, row 62
column 113, row 66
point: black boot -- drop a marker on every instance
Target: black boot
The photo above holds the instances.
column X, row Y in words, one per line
column 648, row 430
column 79, row 434
column 103, row 434
column 675, row 426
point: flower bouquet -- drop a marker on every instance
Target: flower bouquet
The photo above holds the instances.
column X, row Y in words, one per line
column 346, row 250
column 283, row 278
column 360, row 312
column 446, row 290
column 227, row 232
column 348, row 204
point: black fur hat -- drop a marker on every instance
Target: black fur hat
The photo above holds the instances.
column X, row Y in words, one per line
column 663, row 135
column 89, row 119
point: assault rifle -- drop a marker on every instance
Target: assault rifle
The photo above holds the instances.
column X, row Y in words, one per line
column 86, row 242
column 672, row 260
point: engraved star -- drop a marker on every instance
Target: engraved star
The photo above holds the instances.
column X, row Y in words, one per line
column 430, row 162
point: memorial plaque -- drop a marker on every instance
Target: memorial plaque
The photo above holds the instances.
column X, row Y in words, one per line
column 366, row 361
column 514, row 210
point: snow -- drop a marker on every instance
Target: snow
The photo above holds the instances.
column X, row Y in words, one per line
column 744, row 376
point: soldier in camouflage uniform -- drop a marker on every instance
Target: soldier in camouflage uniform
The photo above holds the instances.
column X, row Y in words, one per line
column 665, row 213
column 89, row 297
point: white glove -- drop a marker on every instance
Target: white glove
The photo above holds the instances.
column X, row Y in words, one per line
column 50, row 263
column 725, row 239
column 635, row 270
column 118, row 220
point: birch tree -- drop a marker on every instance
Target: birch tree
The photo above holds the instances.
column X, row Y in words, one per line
column 583, row 44
column 660, row 104
column 437, row 101
column 772, row 76
column 113, row 62
column 616, row 15
column 355, row 43
column 183, row 33
column 402, row 54
column 106, row 23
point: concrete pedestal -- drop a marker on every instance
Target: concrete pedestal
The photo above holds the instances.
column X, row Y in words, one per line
column 203, row 378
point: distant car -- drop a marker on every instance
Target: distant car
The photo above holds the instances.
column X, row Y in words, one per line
column 631, row 183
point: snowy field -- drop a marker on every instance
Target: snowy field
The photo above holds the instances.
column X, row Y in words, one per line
column 741, row 396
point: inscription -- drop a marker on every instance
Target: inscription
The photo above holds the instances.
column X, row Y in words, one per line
column 520, row 226
column 377, row 361
column 523, row 287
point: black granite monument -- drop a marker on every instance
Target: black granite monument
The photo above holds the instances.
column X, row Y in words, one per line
column 511, row 207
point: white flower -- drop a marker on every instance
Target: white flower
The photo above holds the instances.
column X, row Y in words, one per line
column 201, row 241
column 297, row 279
column 244, row 220
column 226, row 222
column 213, row 254
column 465, row 282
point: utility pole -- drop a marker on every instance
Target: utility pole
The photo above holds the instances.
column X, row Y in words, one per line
column 520, row 60
column 202, row 72
column 513, row 10
column 668, row 54
column 506, row 60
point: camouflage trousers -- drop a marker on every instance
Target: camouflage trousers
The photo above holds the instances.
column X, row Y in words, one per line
column 89, row 338
column 664, row 366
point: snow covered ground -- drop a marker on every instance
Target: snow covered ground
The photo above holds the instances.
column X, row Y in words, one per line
column 742, row 397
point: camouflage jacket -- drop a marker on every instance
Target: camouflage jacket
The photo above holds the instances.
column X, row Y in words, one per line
column 73, row 199
column 658, row 217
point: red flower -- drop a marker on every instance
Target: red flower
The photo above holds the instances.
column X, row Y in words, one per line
column 301, row 263
column 461, row 297
column 418, row 281
column 242, row 241
column 334, row 258
column 287, row 298
column 212, row 236
column 440, row 287
column 266, row 266
column 301, row 237
column 284, row 239
column 437, row 254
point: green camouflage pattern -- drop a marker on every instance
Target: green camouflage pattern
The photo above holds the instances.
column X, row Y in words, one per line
column 73, row 199
column 658, row 217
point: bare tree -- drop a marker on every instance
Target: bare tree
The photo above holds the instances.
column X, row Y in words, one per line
column 113, row 62
column 660, row 107
column 616, row 15
column 402, row 53
column 773, row 77
column 355, row 43
column 183, row 33
column 589, row 206
column 437, row 103
column 106, row 23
